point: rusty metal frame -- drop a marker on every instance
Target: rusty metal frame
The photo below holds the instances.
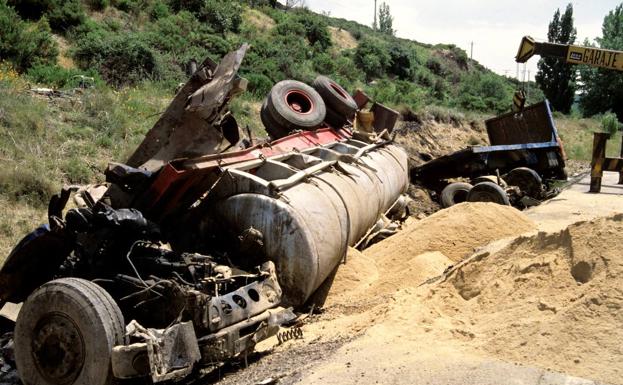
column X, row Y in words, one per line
column 601, row 163
column 181, row 183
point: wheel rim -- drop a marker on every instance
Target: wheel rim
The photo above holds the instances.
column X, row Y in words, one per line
column 58, row 348
column 299, row 102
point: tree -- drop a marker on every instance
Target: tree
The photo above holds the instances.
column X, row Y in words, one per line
column 602, row 89
column 385, row 19
column 555, row 77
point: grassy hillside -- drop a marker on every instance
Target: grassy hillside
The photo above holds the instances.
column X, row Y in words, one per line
column 137, row 51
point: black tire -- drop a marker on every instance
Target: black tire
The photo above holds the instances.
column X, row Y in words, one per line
column 454, row 193
column 65, row 332
column 489, row 178
column 488, row 192
column 274, row 130
column 335, row 97
column 295, row 106
column 335, row 119
column 528, row 181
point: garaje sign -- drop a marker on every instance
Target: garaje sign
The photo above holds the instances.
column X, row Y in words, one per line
column 595, row 57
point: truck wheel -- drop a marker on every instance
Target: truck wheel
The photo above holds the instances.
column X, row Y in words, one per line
column 454, row 193
column 528, row 181
column 295, row 106
column 489, row 178
column 274, row 130
column 488, row 192
column 335, row 97
column 65, row 332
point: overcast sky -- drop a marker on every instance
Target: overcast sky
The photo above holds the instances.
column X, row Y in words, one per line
column 495, row 26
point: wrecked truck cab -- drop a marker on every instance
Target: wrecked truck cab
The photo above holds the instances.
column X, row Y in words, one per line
column 185, row 309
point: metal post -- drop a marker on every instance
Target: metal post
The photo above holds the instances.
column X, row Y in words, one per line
column 374, row 25
column 599, row 155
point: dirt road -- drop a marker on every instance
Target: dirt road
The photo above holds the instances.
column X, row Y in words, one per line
column 538, row 308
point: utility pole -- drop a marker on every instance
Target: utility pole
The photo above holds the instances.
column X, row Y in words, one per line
column 374, row 25
column 471, row 51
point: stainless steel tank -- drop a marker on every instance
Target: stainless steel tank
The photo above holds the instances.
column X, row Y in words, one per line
column 311, row 205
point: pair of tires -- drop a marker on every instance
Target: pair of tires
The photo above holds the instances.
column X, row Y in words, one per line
column 491, row 189
column 65, row 332
column 292, row 105
column 484, row 191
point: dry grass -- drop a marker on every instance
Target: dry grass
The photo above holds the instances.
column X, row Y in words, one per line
column 17, row 220
column 261, row 21
column 64, row 59
column 342, row 39
column 577, row 137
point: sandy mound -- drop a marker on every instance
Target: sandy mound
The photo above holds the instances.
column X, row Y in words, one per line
column 552, row 300
column 456, row 232
column 424, row 249
column 547, row 300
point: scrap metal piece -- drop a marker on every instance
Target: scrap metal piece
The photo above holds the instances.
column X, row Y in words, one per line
column 195, row 122
column 163, row 354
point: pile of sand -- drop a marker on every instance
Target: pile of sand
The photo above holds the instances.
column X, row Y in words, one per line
column 456, row 232
column 547, row 300
column 550, row 300
column 424, row 249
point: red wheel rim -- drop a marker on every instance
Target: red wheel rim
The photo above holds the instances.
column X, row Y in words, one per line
column 299, row 102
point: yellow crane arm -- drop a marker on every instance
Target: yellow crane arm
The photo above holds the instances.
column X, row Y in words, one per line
column 573, row 54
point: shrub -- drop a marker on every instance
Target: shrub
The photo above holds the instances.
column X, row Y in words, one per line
column 65, row 15
column 22, row 44
column 315, row 31
column 159, row 10
column 58, row 77
column 26, row 185
column 610, row 123
column 372, row 58
column 401, row 62
column 259, row 85
column 324, row 64
column 121, row 59
column 98, row 4
column 435, row 66
column 222, row 15
column 485, row 92
column 290, row 28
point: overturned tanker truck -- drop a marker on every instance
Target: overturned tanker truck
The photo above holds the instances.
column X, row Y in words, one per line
column 203, row 241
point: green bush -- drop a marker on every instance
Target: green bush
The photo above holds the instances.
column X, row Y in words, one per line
column 58, row 77
column 159, row 10
column 26, row 185
column 222, row 15
column 316, row 30
column 130, row 6
column 259, row 85
column 324, row 64
column 98, row 4
column 121, row 59
column 435, row 66
column 485, row 92
column 372, row 57
column 22, row 44
column 62, row 14
column 610, row 123
column 401, row 62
